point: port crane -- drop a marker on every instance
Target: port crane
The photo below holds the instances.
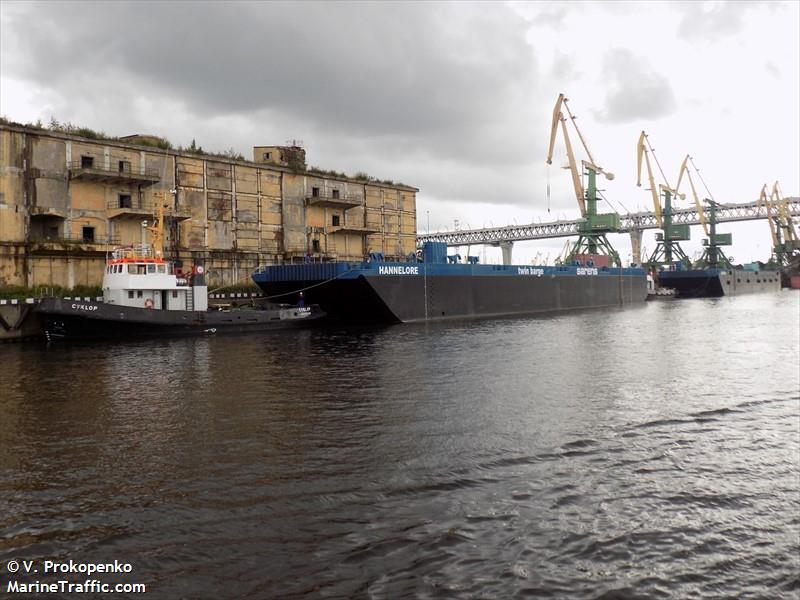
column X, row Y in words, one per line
column 668, row 250
column 593, row 228
column 785, row 243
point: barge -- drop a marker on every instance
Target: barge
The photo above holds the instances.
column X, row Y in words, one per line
column 435, row 286
column 718, row 282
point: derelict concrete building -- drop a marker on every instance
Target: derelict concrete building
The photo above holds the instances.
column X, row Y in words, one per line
column 65, row 200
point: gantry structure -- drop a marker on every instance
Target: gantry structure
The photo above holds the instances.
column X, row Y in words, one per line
column 632, row 223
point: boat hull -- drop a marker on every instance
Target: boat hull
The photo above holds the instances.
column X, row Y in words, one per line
column 716, row 283
column 72, row 319
column 393, row 293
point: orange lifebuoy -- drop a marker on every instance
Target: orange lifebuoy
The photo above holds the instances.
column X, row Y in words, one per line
column 148, row 303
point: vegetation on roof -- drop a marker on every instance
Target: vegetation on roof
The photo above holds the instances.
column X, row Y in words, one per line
column 296, row 163
column 85, row 132
column 360, row 176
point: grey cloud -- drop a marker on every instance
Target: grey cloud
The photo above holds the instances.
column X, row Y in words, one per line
column 635, row 91
column 363, row 67
column 365, row 85
column 771, row 68
column 708, row 21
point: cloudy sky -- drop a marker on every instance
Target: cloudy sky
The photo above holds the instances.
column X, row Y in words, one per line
column 452, row 98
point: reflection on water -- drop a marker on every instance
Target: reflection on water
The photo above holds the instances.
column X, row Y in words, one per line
column 653, row 451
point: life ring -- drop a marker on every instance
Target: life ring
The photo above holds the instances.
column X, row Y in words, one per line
column 148, row 303
column 199, row 269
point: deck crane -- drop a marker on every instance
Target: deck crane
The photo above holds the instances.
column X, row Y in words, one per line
column 592, row 230
column 668, row 251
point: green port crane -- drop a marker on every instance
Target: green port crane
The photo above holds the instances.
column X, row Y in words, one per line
column 668, row 250
column 713, row 257
column 592, row 231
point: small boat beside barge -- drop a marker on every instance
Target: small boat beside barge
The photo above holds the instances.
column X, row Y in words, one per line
column 73, row 319
column 143, row 295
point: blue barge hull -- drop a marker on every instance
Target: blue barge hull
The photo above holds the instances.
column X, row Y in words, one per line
column 420, row 291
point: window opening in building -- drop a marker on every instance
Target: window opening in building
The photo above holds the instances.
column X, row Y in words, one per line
column 124, row 166
column 139, row 293
column 335, row 220
column 174, row 293
column 130, row 294
column 87, row 162
column 52, row 232
column 315, row 245
column 335, row 194
column 315, row 192
column 88, row 234
column 125, row 201
column 267, row 155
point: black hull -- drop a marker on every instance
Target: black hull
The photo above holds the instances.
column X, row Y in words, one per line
column 66, row 319
column 408, row 299
column 716, row 284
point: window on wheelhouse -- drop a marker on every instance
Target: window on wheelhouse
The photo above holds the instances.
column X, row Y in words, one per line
column 162, row 268
column 151, row 268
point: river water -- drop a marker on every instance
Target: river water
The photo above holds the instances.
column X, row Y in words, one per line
column 651, row 452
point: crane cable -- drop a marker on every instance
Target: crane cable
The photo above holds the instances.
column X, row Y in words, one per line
column 696, row 170
column 548, row 188
column 658, row 164
column 602, row 195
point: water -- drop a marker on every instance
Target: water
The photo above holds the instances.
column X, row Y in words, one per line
column 652, row 452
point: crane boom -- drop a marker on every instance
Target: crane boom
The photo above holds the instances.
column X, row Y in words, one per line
column 764, row 200
column 641, row 151
column 577, row 184
column 786, row 223
column 699, row 205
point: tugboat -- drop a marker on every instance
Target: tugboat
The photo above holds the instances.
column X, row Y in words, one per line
column 144, row 296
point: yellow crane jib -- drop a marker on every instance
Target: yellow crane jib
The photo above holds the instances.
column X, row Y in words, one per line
column 641, row 151
column 764, row 200
column 786, row 224
column 699, row 205
column 577, row 184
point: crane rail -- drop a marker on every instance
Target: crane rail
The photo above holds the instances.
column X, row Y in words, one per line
column 748, row 211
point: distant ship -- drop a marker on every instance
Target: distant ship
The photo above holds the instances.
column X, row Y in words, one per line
column 435, row 287
column 717, row 282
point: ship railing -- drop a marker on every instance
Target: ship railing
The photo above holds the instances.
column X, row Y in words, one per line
column 134, row 251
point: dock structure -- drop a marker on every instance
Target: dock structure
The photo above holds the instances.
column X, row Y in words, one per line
column 631, row 223
column 65, row 200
